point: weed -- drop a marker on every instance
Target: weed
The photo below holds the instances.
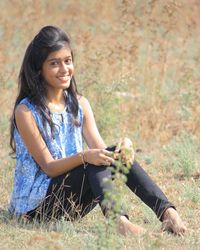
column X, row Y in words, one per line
column 192, row 193
column 183, row 155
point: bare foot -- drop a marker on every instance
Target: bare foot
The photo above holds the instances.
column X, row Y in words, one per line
column 125, row 226
column 172, row 222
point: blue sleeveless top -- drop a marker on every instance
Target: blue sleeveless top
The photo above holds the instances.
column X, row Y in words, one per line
column 30, row 182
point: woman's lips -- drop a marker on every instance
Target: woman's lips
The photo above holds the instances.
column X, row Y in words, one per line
column 64, row 78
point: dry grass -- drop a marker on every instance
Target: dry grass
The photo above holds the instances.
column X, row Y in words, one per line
column 138, row 63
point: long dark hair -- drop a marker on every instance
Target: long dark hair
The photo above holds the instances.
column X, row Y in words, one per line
column 30, row 81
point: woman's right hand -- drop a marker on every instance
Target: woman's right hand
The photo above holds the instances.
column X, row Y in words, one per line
column 98, row 157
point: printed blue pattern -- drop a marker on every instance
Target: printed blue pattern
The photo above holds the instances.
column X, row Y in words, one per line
column 30, row 182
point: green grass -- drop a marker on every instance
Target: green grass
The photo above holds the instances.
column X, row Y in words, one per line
column 183, row 155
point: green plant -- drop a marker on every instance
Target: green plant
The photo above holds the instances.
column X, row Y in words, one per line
column 192, row 193
column 182, row 154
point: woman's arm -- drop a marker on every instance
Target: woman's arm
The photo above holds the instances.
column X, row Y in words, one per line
column 91, row 133
column 90, row 130
column 37, row 147
column 33, row 140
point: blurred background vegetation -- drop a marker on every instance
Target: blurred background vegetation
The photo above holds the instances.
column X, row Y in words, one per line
column 137, row 61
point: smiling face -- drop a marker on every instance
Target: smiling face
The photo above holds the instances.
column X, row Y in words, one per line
column 58, row 69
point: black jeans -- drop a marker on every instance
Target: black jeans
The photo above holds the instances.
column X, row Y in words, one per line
column 77, row 192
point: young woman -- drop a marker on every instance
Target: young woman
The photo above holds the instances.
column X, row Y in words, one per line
column 54, row 175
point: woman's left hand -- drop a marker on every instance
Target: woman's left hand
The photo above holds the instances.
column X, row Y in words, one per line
column 98, row 157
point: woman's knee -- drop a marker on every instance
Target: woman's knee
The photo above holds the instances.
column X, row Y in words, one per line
column 99, row 172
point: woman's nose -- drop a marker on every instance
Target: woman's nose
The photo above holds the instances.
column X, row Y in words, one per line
column 63, row 68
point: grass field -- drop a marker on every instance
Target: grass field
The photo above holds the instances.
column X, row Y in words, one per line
column 138, row 64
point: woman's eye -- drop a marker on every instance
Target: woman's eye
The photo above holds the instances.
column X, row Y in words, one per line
column 54, row 63
column 68, row 61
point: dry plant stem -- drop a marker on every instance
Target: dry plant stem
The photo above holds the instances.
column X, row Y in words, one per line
column 125, row 150
column 125, row 227
column 173, row 223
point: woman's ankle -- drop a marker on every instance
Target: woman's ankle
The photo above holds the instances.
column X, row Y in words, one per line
column 125, row 227
column 172, row 222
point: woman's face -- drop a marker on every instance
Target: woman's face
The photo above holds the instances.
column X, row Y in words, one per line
column 58, row 69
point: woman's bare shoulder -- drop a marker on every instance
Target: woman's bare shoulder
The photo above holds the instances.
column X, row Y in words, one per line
column 21, row 109
column 83, row 101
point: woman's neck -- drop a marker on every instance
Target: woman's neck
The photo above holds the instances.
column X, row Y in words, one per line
column 56, row 101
